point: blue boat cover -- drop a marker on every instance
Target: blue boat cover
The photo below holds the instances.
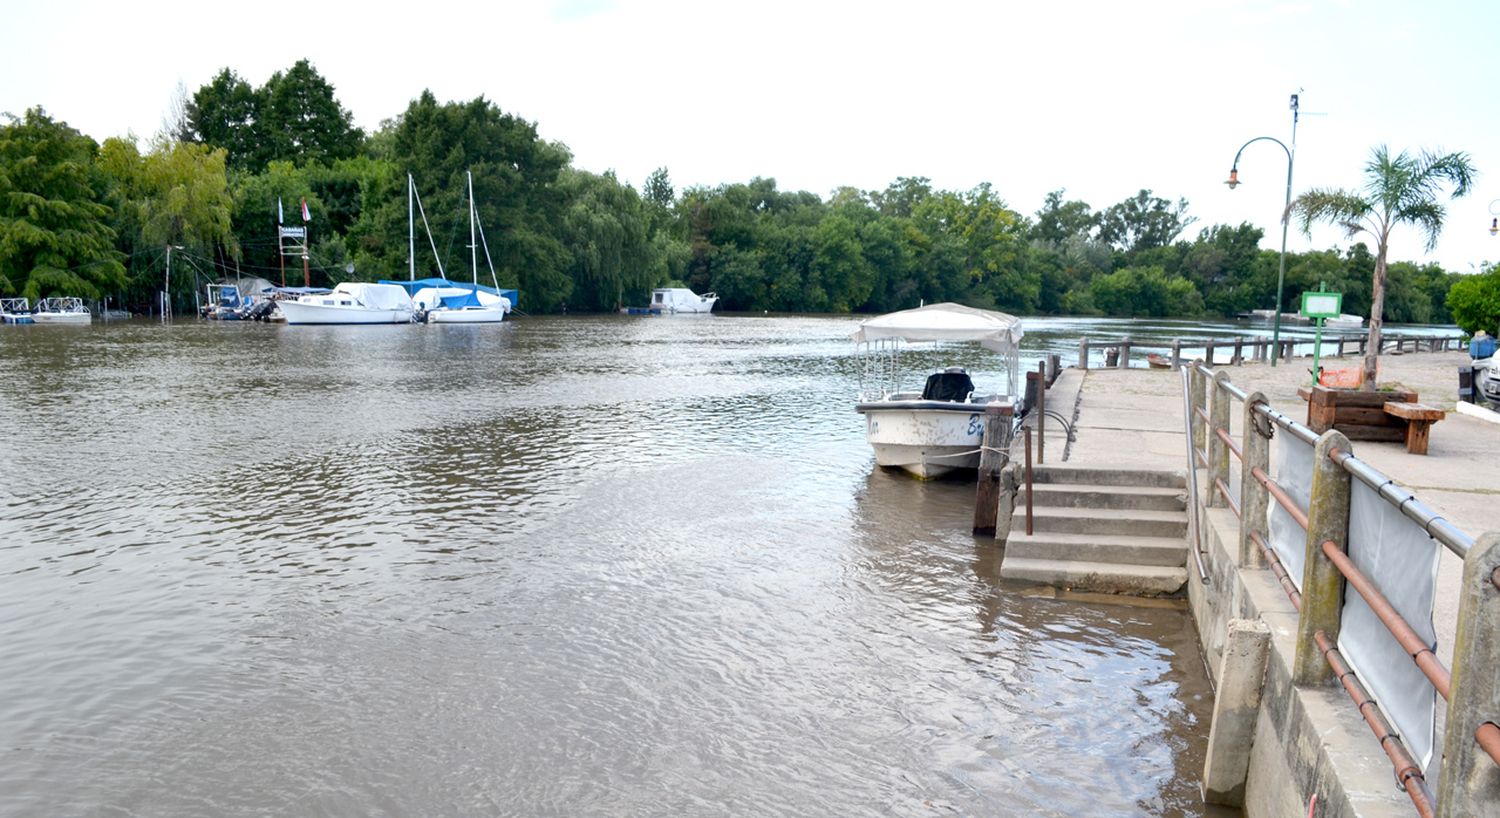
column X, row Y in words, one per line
column 412, row 287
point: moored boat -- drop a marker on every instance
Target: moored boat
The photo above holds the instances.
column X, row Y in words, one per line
column 61, row 310
column 939, row 429
column 351, row 302
column 676, row 301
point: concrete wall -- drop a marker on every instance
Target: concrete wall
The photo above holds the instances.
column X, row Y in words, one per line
column 1306, row 740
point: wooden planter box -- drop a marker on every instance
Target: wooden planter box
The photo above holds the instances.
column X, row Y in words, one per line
column 1358, row 414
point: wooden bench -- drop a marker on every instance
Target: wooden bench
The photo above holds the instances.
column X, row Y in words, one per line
column 1419, row 418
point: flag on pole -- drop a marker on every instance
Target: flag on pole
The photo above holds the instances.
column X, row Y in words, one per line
column 279, row 217
column 306, row 217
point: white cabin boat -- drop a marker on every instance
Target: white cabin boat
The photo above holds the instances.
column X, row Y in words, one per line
column 940, row 428
column 15, row 311
column 1344, row 321
column 681, row 301
column 61, row 311
column 350, row 303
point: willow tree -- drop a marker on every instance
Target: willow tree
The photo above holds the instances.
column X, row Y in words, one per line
column 1403, row 189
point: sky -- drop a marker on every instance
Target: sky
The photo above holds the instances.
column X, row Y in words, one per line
column 1101, row 99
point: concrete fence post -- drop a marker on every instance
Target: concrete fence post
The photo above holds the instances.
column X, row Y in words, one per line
column 1083, row 352
column 1322, row 584
column 1125, row 353
column 1239, row 351
column 1253, row 496
column 1470, row 782
column 1176, row 354
column 1208, row 352
column 1231, row 734
column 1198, row 389
column 1218, row 451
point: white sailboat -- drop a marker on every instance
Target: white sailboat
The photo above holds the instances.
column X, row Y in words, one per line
column 439, row 300
column 940, row 428
column 352, row 302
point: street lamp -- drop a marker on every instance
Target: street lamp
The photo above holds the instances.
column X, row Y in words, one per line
column 1286, row 215
column 1494, row 222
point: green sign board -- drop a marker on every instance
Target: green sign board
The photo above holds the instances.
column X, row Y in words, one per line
column 1322, row 305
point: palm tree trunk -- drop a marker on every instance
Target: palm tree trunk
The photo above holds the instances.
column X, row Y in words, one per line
column 1377, row 319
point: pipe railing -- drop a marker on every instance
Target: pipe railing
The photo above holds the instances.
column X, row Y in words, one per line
column 1259, row 347
column 1409, row 776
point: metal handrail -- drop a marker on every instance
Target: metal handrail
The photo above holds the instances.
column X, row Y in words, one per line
column 1193, row 482
column 1282, row 498
column 1228, row 496
column 1405, row 635
column 1278, row 570
column 1234, row 448
column 1407, row 503
column 1408, row 775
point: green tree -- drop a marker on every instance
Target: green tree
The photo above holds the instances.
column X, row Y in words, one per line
column 1059, row 220
column 55, row 234
column 226, row 113
column 1403, row 189
column 1475, row 301
column 301, row 121
column 1143, row 222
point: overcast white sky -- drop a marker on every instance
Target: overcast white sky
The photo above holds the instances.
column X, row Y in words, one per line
column 1100, row 98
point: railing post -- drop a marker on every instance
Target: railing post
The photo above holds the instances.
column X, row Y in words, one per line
column 1198, row 386
column 1041, row 412
column 1254, row 498
column 1470, row 782
column 1208, row 351
column 1083, row 352
column 1239, row 351
column 1125, row 353
column 1218, row 453
column 1176, row 354
column 1341, row 346
column 1322, row 584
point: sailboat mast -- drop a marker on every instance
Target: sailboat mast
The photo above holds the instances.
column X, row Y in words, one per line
column 411, row 230
column 473, row 245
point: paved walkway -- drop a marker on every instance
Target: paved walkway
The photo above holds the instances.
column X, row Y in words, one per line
column 1133, row 419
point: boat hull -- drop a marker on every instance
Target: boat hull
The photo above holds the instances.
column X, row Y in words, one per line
column 925, row 438
column 480, row 316
column 62, row 318
column 297, row 312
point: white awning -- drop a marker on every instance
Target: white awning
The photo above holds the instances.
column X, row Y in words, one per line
column 945, row 322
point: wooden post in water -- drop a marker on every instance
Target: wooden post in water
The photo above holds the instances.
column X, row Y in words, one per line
column 1125, row 353
column 1176, row 354
column 1083, row 352
column 992, row 456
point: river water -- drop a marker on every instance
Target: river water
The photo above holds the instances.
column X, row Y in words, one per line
column 564, row 566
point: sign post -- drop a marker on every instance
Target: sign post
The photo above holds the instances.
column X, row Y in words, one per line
column 1318, row 306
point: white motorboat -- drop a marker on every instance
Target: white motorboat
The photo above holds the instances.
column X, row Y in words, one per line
column 681, row 301
column 1344, row 321
column 61, row 311
column 940, row 428
column 15, row 311
column 350, row 303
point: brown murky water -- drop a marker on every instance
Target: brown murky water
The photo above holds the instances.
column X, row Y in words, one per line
column 566, row 566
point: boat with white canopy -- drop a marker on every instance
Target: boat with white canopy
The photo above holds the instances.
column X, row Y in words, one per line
column 61, row 310
column 939, row 428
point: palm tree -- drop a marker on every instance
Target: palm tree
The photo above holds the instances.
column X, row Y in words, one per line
column 1403, row 189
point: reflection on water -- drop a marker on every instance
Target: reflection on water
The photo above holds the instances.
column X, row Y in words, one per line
column 608, row 565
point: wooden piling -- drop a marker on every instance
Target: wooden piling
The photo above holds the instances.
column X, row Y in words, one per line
column 1176, row 354
column 1124, row 354
column 1083, row 353
column 992, row 457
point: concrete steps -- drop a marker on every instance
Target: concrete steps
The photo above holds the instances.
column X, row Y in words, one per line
column 1104, row 531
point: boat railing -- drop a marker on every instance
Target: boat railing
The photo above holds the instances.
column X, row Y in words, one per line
column 1341, row 555
column 15, row 306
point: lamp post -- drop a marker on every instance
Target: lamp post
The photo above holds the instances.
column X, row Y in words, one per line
column 1286, row 215
column 1494, row 222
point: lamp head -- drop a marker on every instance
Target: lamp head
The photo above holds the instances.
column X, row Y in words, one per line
column 1494, row 226
column 1234, row 178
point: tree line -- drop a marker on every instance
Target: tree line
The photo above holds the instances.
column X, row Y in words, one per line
column 94, row 220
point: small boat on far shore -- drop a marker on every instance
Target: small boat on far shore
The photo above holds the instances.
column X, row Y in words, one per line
column 675, row 301
column 1156, row 361
column 62, row 310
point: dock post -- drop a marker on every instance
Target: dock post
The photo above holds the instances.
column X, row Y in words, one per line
column 1124, row 353
column 1341, row 346
column 1241, row 677
column 1218, row 450
column 1054, row 368
column 1322, row 584
column 1470, row 782
column 1239, row 351
column 1083, row 352
column 1176, row 354
column 992, row 456
column 1253, row 496
column 1208, row 352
